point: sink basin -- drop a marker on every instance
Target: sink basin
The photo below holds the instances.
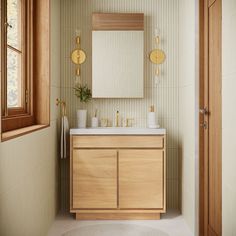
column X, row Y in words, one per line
column 117, row 131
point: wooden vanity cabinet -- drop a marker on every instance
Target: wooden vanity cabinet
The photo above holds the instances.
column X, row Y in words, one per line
column 115, row 177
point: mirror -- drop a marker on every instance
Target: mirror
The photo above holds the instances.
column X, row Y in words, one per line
column 117, row 64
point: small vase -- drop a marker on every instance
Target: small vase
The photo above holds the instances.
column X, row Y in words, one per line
column 94, row 122
column 81, row 118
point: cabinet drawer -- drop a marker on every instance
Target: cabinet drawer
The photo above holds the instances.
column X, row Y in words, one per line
column 118, row 141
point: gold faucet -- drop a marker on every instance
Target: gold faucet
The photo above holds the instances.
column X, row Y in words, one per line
column 117, row 118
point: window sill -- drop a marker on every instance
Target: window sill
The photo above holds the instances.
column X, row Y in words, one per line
column 19, row 132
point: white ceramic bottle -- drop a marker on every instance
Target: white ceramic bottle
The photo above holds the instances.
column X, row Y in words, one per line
column 81, row 118
column 152, row 124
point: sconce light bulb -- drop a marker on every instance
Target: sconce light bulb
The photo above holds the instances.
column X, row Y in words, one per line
column 156, row 80
column 157, row 32
column 77, row 32
column 77, row 80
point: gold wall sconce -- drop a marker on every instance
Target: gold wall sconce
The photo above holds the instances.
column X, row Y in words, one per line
column 78, row 56
column 157, row 56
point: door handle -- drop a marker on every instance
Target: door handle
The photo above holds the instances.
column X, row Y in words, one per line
column 204, row 111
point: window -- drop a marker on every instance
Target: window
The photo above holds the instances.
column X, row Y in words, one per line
column 24, row 66
column 16, row 41
column 17, row 83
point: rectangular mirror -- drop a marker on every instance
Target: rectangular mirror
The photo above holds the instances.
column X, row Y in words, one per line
column 117, row 63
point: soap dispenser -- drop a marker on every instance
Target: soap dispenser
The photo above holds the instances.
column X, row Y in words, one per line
column 152, row 124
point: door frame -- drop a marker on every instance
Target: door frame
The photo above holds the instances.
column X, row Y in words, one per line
column 203, row 70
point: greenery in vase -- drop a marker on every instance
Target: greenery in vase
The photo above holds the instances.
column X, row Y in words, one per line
column 83, row 93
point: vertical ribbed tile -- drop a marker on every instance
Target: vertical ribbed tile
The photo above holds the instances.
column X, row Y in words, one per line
column 161, row 14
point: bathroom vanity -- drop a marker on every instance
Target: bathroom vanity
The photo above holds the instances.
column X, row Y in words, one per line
column 118, row 173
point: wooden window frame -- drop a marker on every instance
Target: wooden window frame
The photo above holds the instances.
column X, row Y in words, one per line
column 37, row 115
column 19, row 117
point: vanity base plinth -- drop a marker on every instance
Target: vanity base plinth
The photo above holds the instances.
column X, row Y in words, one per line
column 118, row 216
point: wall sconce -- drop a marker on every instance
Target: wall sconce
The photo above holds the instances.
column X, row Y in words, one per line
column 157, row 56
column 78, row 57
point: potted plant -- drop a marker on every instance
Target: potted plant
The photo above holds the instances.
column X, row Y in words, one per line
column 84, row 94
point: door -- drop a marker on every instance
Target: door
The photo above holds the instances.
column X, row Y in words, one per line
column 94, row 179
column 211, row 127
column 141, row 179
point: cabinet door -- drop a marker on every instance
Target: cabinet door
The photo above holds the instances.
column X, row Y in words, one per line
column 141, row 179
column 94, row 179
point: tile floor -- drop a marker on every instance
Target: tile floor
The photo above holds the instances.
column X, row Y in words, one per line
column 171, row 224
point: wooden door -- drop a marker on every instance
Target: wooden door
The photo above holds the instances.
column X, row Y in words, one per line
column 94, row 179
column 141, row 179
column 211, row 128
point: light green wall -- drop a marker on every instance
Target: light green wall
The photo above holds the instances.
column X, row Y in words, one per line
column 28, row 165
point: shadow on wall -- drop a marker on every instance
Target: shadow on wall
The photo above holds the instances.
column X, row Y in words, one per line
column 180, row 169
column 64, row 191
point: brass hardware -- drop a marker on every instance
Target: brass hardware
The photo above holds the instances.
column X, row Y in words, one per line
column 78, row 40
column 78, row 56
column 152, row 108
column 77, row 71
column 127, row 122
column 117, row 118
column 157, row 56
column 62, row 104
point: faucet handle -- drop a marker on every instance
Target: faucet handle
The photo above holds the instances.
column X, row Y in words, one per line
column 128, row 122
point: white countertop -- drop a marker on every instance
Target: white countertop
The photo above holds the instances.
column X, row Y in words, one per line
column 117, row 131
